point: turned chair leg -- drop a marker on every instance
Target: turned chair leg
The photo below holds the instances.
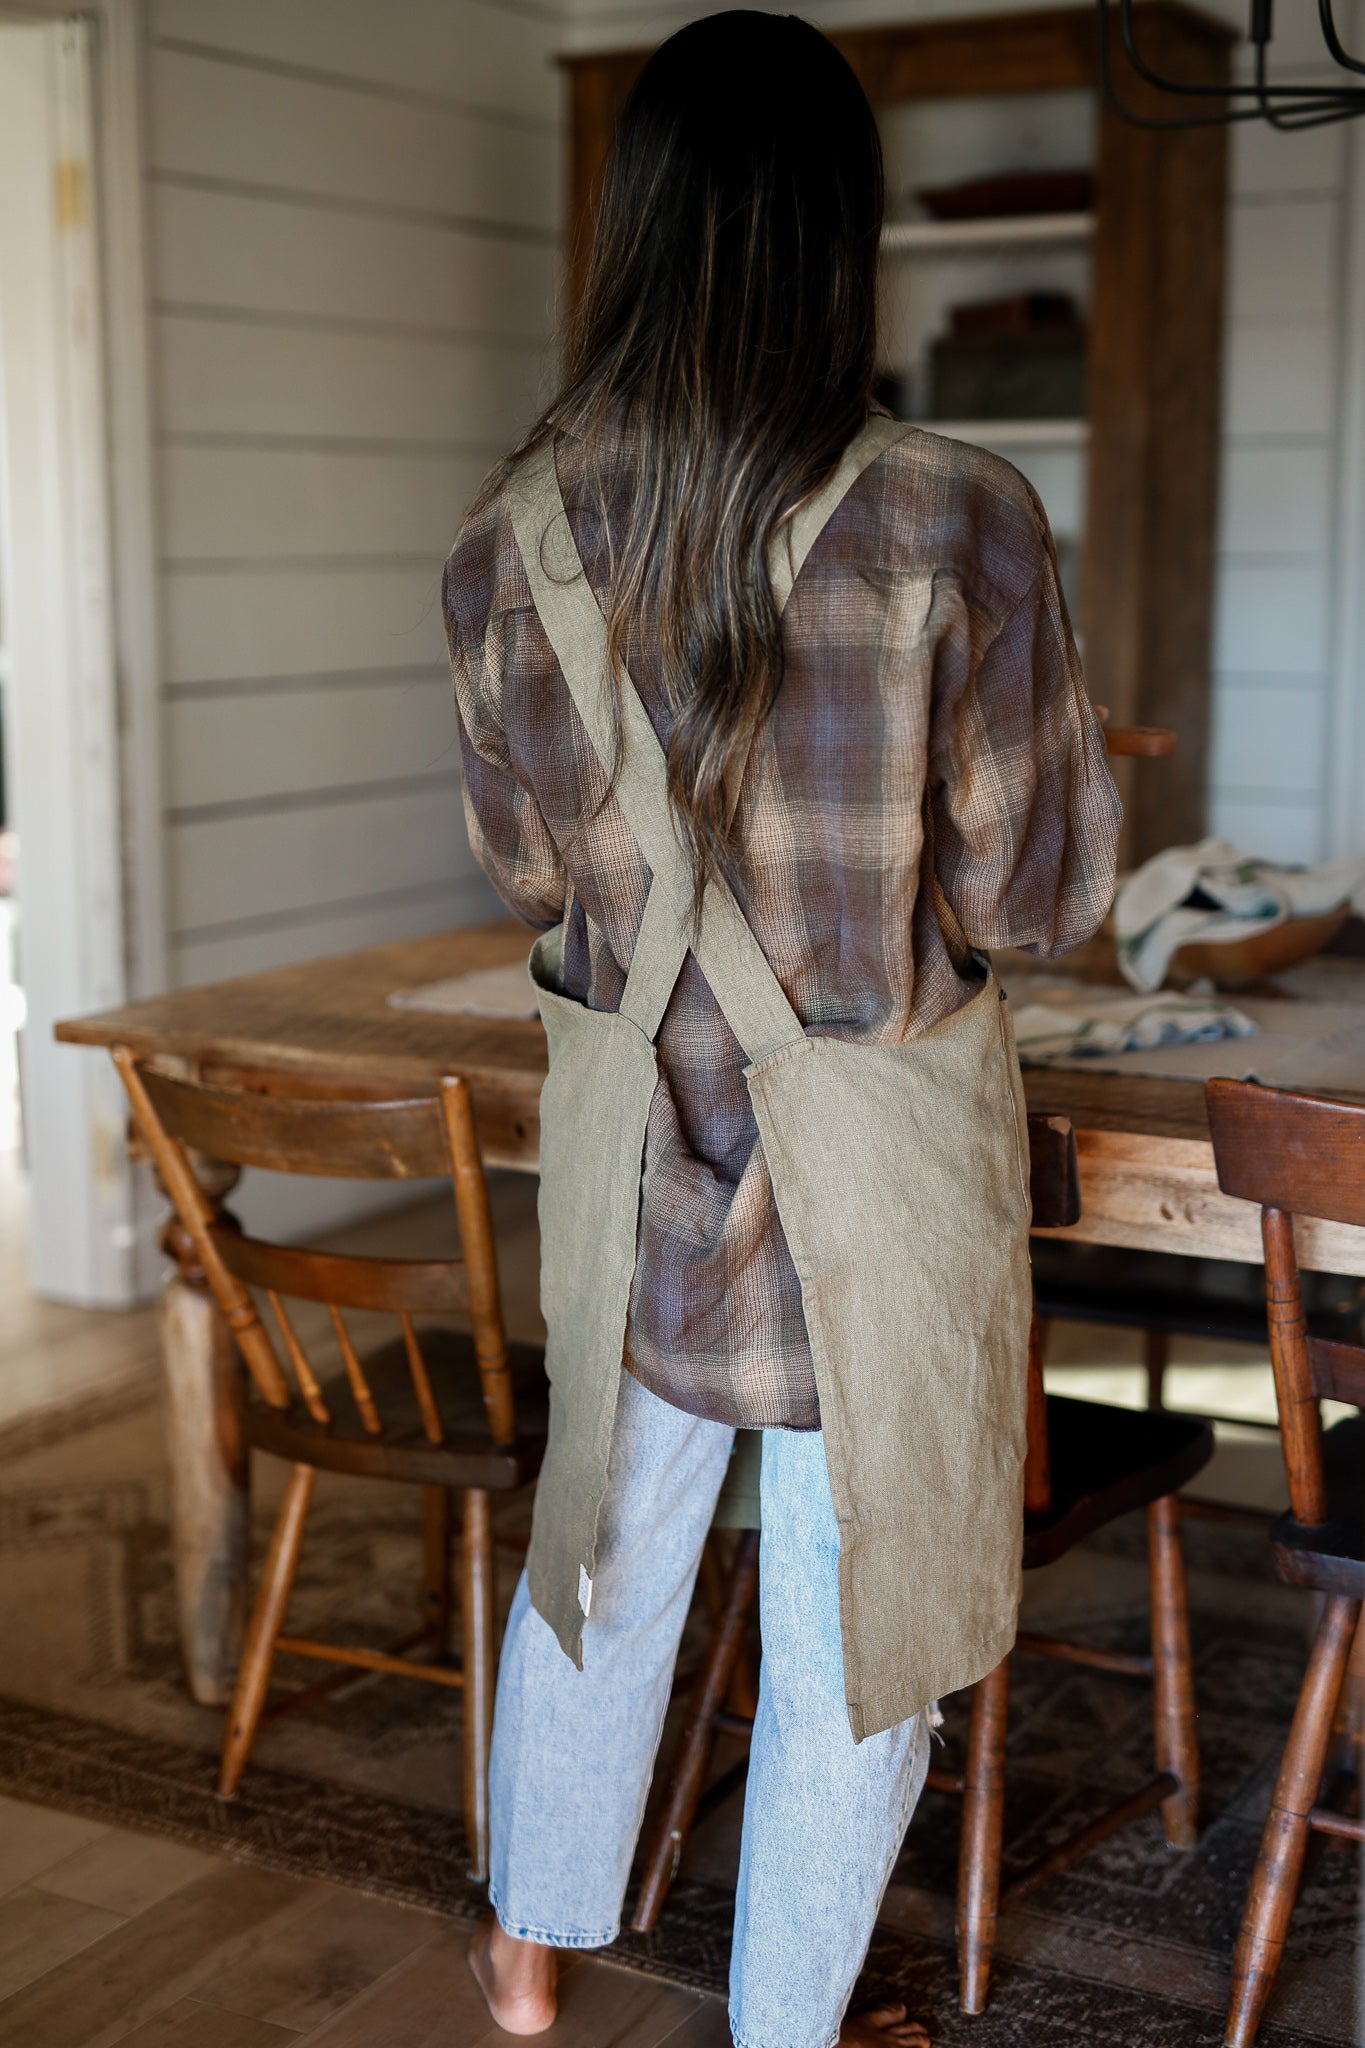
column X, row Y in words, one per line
column 1177, row 1735
column 267, row 1619
column 983, row 1818
column 437, row 1536
column 699, row 1736
column 480, row 1669
column 1347, row 1752
column 713, row 1579
column 1279, row 1865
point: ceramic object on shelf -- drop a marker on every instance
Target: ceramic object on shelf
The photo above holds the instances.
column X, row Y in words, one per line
column 1010, row 193
column 1014, row 377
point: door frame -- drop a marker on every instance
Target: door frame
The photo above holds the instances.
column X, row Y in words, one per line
column 92, row 1217
column 118, row 66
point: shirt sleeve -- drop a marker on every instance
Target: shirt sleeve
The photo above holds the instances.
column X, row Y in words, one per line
column 509, row 836
column 1025, row 812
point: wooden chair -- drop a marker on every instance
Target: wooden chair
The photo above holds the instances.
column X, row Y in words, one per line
column 439, row 1411
column 1087, row 1464
column 1301, row 1155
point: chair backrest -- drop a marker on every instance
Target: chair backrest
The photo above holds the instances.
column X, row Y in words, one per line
column 1295, row 1155
column 287, row 1128
column 1055, row 1193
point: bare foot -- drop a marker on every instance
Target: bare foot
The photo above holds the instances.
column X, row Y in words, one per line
column 516, row 1977
column 886, row 2026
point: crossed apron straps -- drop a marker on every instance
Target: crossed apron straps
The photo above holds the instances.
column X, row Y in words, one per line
column 737, row 972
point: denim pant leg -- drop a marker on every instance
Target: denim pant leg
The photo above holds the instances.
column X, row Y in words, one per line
column 823, row 1815
column 573, row 1750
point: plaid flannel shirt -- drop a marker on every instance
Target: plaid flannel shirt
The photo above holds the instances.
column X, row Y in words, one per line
column 931, row 771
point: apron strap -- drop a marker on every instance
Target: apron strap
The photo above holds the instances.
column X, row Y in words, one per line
column 798, row 535
column 655, row 964
column 736, row 969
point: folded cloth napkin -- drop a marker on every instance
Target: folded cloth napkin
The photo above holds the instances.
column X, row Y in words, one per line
column 1213, row 894
column 1080, row 1024
column 483, row 992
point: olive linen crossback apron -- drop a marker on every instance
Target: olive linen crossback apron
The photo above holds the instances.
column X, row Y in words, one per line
column 900, row 1180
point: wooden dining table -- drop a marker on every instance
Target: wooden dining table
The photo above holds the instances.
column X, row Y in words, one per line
column 1146, row 1165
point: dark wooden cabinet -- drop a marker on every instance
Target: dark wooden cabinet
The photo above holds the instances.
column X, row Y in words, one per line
column 1154, row 352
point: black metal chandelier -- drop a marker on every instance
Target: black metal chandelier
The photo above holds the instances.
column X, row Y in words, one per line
column 1287, row 107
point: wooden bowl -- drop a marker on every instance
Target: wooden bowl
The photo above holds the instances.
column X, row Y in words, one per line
column 1241, row 961
column 1009, row 194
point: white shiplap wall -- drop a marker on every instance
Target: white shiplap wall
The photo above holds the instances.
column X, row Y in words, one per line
column 355, row 210
column 1276, row 541
column 354, row 226
column 1282, row 415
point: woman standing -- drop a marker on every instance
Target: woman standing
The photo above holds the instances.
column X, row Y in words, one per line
column 772, row 721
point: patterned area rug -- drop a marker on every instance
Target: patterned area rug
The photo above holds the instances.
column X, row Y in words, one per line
column 1129, row 1950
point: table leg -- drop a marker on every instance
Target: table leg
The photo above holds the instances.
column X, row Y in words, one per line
column 205, row 1384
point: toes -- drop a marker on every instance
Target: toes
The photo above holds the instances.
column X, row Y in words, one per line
column 891, row 2025
column 899, row 2029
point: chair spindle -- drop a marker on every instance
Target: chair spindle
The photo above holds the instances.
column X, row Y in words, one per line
column 1300, row 1417
column 192, row 1205
column 421, row 1381
column 298, row 1358
column 355, row 1373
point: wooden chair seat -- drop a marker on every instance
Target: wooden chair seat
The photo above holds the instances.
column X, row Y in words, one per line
column 1106, row 1461
column 1330, row 1556
column 404, row 1451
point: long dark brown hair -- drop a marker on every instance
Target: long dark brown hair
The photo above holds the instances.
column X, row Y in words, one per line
column 729, row 320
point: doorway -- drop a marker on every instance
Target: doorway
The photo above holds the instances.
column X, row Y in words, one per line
column 64, row 1174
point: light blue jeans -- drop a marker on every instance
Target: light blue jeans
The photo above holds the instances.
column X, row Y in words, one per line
column 573, row 1751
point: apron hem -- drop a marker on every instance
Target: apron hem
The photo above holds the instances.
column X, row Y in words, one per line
column 886, row 1710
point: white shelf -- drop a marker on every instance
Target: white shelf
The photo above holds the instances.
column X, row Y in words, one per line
column 1012, row 433
column 971, row 237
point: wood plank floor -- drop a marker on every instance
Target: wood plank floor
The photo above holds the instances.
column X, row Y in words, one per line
column 108, row 1936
